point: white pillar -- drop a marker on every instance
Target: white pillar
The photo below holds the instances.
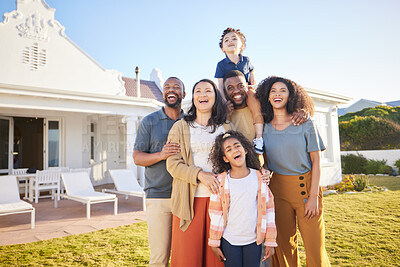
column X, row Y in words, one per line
column 131, row 123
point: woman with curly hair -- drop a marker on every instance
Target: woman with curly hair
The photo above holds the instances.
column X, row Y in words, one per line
column 193, row 179
column 293, row 154
column 242, row 212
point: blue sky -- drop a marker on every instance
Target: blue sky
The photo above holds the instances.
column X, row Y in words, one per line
column 346, row 47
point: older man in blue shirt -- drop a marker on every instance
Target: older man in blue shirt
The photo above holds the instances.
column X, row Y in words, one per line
column 151, row 150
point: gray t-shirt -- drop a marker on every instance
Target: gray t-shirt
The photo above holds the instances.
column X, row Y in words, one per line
column 288, row 150
column 151, row 137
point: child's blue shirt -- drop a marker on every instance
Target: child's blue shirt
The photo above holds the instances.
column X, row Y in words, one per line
column 226, row 65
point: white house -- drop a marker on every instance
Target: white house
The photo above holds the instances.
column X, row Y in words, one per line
column 59, row 107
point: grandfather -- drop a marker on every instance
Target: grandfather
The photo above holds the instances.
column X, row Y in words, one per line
column 151, row 150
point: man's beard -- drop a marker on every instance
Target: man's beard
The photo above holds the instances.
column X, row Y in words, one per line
column 236, row 105
column 173, row 105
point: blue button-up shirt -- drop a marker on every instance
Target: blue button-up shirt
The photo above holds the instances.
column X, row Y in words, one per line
column 226, row 65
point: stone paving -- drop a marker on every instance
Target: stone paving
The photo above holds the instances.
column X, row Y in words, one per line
column 68, row 219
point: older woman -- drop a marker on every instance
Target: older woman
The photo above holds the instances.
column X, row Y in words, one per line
column 193, row 179
column 293, row 154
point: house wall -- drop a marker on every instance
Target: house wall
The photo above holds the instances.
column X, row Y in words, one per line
column 39, row 54
column 326, row 119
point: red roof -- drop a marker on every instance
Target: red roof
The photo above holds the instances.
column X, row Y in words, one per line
column 148, row 89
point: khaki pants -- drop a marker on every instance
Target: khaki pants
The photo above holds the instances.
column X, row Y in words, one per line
column 159, row 222
column 290, row 194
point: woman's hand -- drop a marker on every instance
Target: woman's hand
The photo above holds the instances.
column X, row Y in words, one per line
column 311, row 207
column 218, row 253
column 209, row 179
column 269, row 251
column 266, row 175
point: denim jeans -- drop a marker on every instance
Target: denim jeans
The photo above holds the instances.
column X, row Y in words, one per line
column 241, row 256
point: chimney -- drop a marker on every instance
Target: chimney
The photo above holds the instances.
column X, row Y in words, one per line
column 157, row 78
column 137, row 81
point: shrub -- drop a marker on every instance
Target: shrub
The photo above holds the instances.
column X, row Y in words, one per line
column 352, row 163
column 369, row 133
column 384, row 112
column 374, row 166
column 386, row 169
column 360, row 182
column 346, row 184
column 351, row 183
column 397, row 164
column 378, row 166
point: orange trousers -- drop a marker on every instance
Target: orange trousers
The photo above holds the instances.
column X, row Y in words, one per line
column 290, row 194
column 190, row 248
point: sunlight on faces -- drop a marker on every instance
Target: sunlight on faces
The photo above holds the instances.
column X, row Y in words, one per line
column 278, row 95
column 173, row 92
column 236, row 91
column 232, row 44
column 204, row 97
column 234, row 152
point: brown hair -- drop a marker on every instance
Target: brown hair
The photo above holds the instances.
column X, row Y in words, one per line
column 298, row 97
column 217, row 152
column 237, row 31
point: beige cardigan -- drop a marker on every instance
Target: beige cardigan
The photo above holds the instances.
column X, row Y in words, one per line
column 184, row 173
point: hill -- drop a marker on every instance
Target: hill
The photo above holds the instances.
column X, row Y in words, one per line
column 370, row 129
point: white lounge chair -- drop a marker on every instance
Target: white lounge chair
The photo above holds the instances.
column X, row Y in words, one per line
column 126, row 184
column 81, row 170
column 79, row 188
column 10, row 202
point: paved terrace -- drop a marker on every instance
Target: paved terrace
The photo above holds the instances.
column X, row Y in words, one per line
column 68, row 219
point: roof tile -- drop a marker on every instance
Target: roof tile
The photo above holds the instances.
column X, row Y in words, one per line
column 148, row 89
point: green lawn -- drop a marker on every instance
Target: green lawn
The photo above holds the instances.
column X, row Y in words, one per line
column 361, row 230
column 390, row 182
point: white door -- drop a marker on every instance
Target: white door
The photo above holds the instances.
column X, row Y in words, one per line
column 53, row 144
column 6, row 144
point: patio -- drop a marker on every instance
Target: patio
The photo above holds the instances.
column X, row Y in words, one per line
column 68, row 219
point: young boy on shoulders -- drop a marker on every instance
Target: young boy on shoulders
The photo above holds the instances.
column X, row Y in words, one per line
column 232, row 43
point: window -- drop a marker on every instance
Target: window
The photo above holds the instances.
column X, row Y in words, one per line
column 92, row 140
column 122, row 135
column 54, row 144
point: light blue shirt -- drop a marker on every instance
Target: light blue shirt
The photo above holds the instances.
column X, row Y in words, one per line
column 288, row 150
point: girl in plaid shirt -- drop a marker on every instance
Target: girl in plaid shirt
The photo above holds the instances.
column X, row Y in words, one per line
column 242, row 213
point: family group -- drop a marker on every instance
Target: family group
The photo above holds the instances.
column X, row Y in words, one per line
column 229, row 181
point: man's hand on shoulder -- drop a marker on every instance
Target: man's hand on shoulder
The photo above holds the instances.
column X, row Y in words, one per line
column 300, row 117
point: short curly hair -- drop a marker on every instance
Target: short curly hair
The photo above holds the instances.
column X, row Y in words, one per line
column 217, row 152
column 298, row 97
column 237, row 31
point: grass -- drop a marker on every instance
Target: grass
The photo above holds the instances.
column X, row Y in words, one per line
column 361, row 230
column 390, row 182
column 122, row 246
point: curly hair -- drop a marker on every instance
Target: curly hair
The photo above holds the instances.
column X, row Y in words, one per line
column 237, row 31
column 218, row 113
column 217, row 152
column 298, row 97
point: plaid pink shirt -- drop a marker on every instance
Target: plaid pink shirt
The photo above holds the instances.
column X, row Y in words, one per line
column 219, row 206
